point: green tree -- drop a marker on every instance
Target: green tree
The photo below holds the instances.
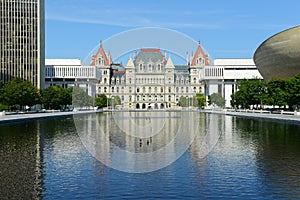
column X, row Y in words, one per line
column 52, row 97
column 183, row 101
column 66, row 97
column 216, row 99
column 21, row 93
column 116, row 101
column 81, row 98
column 294, row 91
column 278, row 92
column 2, row 100
column 201, row 99
column 250, row 92
column 101, row 101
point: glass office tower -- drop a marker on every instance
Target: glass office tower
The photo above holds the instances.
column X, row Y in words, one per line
column 22, row 40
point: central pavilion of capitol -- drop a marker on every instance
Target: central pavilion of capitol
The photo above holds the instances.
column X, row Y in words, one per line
column 150, row 79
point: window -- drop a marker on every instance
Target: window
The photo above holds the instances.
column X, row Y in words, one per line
column 141, row 67
column 170, row 89
column 138, row 90
column 161, row 89
column 105, row 80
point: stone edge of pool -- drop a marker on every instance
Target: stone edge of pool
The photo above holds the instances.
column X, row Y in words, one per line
column 6, row 119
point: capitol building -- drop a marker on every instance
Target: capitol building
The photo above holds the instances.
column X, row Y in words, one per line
column 150, row 80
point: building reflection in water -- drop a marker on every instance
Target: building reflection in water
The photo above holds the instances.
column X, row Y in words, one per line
column 21, row 161
column 142, row 141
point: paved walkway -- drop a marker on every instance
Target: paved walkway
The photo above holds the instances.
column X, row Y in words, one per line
column 34, row 116
column 295, row 119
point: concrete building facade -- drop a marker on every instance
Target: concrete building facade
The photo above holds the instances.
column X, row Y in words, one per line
column 223, row 76
column 22, row 41
column 68, row 73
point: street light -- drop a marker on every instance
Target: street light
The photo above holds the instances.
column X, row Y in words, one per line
column 112, row 102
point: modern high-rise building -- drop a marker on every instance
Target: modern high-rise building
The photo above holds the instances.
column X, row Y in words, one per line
column 22, row 41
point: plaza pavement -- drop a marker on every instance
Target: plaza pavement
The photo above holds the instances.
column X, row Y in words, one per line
column 12, row 118
column 284, row 118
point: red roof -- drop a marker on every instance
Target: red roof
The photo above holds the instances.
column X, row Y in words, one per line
column 200, row 51
column 102, row 53
column 150, row 50
column 119, row 72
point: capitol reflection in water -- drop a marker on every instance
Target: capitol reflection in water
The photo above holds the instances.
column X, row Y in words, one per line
column 139, row 142
column 248, row 159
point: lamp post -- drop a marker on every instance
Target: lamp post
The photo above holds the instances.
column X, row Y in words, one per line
column 112, row 102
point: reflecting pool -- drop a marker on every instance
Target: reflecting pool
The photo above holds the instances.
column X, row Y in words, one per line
column 243, row 158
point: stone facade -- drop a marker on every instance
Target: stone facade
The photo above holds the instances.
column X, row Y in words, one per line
column 150, row 80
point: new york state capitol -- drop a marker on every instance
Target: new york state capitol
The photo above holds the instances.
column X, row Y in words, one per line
column 150, row 79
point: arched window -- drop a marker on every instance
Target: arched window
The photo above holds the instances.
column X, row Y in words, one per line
column 105, row 80
column 170, row 89
column 138, row 90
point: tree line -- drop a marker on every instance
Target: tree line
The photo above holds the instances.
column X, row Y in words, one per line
column 256, row 93
column 19, row 94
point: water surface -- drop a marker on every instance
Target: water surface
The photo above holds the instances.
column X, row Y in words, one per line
column 253, row 159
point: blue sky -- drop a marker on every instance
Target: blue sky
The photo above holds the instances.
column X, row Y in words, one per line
column 226, row 28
